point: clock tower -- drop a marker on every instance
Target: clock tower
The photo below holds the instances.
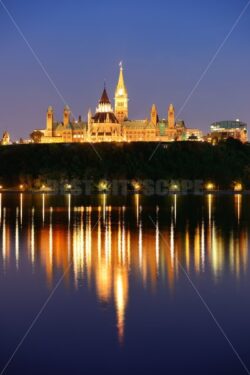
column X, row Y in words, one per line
column 121, row 98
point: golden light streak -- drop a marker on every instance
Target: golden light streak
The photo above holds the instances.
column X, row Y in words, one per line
column 187, row 248
column 32, row 239
column 4, row 250
column 157, row 244
column 172, row 243
column 78, row 249
column 123, row 247
column 1, row 203
column 69, row 208
column 140, row 245
column 43, row 207
column 137, row 207
column 197, row 249
column 210, row 202
column 121, row 297
column 88, row 241
column 203, row 255
column 175, row 207
column 119, row 237
column 17, row 238
column 21, row 209
column 238, row 205
column 99, row 234
column 51, row 239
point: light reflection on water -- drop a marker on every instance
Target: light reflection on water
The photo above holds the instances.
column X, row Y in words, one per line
column 106, row 244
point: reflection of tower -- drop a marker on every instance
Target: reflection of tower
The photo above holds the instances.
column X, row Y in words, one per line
column 171, row 117
column 121, row 98
column 49, row 122
column 121, row 298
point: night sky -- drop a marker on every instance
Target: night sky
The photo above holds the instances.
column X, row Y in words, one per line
column 165, row 46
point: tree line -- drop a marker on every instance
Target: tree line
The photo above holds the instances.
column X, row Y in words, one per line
column 223, row 164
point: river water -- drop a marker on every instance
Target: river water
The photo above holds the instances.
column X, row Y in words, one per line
column 124, row 285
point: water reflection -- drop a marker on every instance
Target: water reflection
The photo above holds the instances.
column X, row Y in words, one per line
column 17, row 238
column 108, row 245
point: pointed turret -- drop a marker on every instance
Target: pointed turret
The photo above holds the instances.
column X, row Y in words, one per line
column 171, row 117
column 121, row 98
column 104, row 105
column 154, row 115
column 49, row 121
column 66, row 115
column 104, row 98
column 121, row 87
column 104, row 111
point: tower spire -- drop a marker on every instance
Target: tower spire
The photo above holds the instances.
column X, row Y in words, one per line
column 121, row 97
column 154, row 115
column 121, row 87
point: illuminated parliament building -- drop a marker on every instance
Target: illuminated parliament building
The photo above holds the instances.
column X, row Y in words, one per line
column 114, row 125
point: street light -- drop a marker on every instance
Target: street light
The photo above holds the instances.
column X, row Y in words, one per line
column 136, row 186
column 210, row 186
column 103, row 185
column 68, row 187
column 238, row 186
column 174, row 187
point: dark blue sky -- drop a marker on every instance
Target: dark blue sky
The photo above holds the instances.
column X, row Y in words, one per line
column 165, row 46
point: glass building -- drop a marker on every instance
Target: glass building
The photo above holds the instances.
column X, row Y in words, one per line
column 223, row 130
column 228, row 125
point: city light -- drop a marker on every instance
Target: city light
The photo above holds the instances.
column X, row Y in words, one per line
column 103, row 185
column 136, row 186
column 1, row 187
column 21, row 187
column 238, row 186
column 174, row 187
column 210, row 186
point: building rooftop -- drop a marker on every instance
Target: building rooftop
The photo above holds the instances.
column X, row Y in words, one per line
column 104, row 98
column 228, row 124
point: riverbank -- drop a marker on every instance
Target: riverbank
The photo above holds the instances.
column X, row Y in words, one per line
column 219, row 167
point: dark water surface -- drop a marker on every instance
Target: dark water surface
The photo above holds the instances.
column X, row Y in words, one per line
column 128, row 285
